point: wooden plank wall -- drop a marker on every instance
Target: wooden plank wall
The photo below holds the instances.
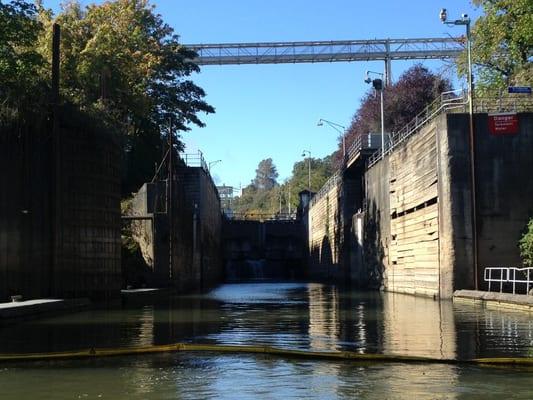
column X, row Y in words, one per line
column 414, row 246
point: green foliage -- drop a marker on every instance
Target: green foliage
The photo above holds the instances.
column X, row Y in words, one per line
column 120, row 57
column 502, row 44
column 266, row 175
column 19, row 61
column 526, row 245
column 321, row 170
column 122, row 63
column 403, row 100
column 256, row 199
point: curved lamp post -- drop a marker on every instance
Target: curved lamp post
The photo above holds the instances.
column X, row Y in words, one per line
column 213, row 163
column 336, row 126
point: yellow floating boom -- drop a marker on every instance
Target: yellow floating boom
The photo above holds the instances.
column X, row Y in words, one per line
column 244, row 349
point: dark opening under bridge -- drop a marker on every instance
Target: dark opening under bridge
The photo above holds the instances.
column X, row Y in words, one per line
column 328, row 51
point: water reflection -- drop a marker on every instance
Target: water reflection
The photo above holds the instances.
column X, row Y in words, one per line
column 303, row 316
column 308, row 316
column 418, row 326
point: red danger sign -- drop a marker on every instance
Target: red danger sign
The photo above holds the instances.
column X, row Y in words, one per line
column 503, row 124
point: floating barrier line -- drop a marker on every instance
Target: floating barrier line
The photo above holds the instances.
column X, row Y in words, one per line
column 219, row 348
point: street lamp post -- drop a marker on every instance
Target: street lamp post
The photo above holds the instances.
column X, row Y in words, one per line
column 213, row 163
column 465, row 20
column 336, row 127
column 309, row 168
column 378, row 85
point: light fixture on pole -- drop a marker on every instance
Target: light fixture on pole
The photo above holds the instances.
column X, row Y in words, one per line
column 465, row 20
column 213, row 163
column 309, row 168
column 378, row 86
column 336, row 126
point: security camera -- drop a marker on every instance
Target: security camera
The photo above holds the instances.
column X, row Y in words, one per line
column 367, row 79
column 464, row 16
column 443, row 15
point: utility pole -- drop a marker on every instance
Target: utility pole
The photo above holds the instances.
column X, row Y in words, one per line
column 170, row 200
column 56, row 166
column 309, row 168
column 465, row 20
column 289, row 185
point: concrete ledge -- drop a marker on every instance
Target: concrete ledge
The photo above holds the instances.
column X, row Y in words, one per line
column 145, row 292
column 517, row 302
column 40, row 307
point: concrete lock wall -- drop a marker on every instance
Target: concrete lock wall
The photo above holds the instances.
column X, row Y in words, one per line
column 201, row 193
column 60, row 241
column 504, row 188
column 416, row 235
column 325, row 233
column 402, row 232
column 195, row 229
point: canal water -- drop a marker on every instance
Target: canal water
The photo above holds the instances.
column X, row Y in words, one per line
column 288, row 315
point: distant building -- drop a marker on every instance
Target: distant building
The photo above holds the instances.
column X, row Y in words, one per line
column 226, row 198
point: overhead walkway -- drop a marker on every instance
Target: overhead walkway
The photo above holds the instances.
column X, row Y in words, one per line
column 328, row 51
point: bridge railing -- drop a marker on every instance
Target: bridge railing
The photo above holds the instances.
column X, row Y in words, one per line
column 252, row 216
column 494, row 103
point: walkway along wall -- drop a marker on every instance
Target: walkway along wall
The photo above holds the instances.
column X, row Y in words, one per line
column 64, row 240
column 417, row 220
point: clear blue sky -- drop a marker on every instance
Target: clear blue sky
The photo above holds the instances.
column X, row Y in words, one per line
column 272, row 110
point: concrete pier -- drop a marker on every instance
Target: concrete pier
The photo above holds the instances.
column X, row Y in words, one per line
column 508, row 301
column 39, row 308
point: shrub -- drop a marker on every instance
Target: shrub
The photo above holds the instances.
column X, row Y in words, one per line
column 526, row 245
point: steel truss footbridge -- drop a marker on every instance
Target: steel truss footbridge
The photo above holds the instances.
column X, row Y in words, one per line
column 329, row 51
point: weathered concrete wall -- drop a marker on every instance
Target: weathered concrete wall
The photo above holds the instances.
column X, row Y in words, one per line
column 504, row 190
column 65, row 242
column 377, row 225
column 422, row 194
column 455, row 212
column 196, row 232
column 403, row 247
column 202, row 195
column 414, row 234
column 326, row 232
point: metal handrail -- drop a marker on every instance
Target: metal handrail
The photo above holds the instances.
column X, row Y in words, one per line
column 332, row 181
column 253, row 216
column 453, row 100
column 195, row 160
column 450, row 100
column 509, row 275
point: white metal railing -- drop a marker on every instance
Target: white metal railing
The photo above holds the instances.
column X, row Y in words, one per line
column 195, row 160
column 509, row 275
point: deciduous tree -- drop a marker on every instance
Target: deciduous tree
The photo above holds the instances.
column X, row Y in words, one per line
column 502, row 44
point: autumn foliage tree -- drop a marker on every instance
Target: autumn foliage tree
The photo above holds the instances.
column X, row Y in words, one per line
column 122, row 62
column 403, row 100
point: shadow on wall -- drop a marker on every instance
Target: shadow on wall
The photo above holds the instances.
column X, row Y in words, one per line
column 374, row 252
column 326, row 255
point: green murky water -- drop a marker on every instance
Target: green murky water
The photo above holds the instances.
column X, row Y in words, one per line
column 296, row 316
